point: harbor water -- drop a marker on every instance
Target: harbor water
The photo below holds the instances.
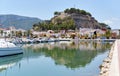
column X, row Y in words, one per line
column 63, row 58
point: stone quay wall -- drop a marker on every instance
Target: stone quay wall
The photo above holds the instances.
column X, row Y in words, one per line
column 110, row 65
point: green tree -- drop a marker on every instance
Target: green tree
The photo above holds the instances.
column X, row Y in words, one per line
column 36, row 27
column 65, row 23
column 1, row 32
column 29, row 33
column 83, row 12
column 56, row 13
column 77, row 11
column 66, row 11
column 105, row 26
column 19, row 34
column 108, row 34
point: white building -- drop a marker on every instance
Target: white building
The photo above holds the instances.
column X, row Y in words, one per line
column 90, row 32
column 7, row 32
column 115, row 31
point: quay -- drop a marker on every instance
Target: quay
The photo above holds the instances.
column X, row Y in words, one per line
column 46, row 40
column 111, row 65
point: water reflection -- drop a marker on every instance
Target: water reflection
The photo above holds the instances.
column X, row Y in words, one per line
column 8, row 62
column 70, row 54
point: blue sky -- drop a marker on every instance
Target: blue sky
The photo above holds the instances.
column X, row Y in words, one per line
column 106, row 11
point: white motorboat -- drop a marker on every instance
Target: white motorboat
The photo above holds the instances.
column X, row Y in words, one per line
column 8, row 49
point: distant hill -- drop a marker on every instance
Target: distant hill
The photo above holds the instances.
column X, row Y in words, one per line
column 18, row 21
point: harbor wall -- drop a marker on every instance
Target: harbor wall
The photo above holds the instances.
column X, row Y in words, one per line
column 110, row 65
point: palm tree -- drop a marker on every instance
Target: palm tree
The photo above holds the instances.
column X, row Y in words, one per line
column 12, row 33
column 108, row 34
column 29, row 33
column 1, row 32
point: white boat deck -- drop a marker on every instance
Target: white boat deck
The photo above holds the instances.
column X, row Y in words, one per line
column 7, row 48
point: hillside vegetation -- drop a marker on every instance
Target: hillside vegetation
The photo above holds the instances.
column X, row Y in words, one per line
column 70, row 19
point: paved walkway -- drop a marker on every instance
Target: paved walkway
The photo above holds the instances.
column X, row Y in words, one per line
column 119, row 55
column 115, row 64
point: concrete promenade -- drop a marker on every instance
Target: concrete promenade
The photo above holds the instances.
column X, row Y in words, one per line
column 111, row 64
column 115, row 62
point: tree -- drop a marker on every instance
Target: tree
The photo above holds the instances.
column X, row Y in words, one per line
column 18, row 34
column 65, row 23
column 83, row 12
column 108, row 34
column 1, row 32
column 105, row 26
column 12, row 33
column 36, row 27
column 77, row 11
column 56, row 13
column 95, row 34
column 88, row 14
column 66, row 11
column 29, row 33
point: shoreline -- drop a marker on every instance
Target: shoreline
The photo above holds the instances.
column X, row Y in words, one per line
column 44, row 39
column 110, row 65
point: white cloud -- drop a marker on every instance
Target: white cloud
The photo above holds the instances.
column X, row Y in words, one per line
column 115, row 19
column 114, row 23
column 109, row 22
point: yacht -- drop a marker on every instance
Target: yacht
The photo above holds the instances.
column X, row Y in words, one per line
column 8, row 49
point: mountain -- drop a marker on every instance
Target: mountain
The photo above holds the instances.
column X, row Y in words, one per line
column 18, row 21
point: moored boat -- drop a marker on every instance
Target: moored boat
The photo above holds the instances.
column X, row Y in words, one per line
column 8, row 49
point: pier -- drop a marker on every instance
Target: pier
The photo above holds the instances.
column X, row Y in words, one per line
column 111, row 65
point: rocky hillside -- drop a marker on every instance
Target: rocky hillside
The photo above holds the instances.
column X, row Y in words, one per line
column 81, row 18
column 18, row 21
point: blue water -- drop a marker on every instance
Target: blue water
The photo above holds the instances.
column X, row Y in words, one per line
column 56, row 59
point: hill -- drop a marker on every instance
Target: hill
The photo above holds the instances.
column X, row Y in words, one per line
column 81, row 18
column 18, row 21
column 70, row 19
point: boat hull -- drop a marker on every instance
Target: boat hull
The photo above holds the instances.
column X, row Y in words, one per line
column 10, row 51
